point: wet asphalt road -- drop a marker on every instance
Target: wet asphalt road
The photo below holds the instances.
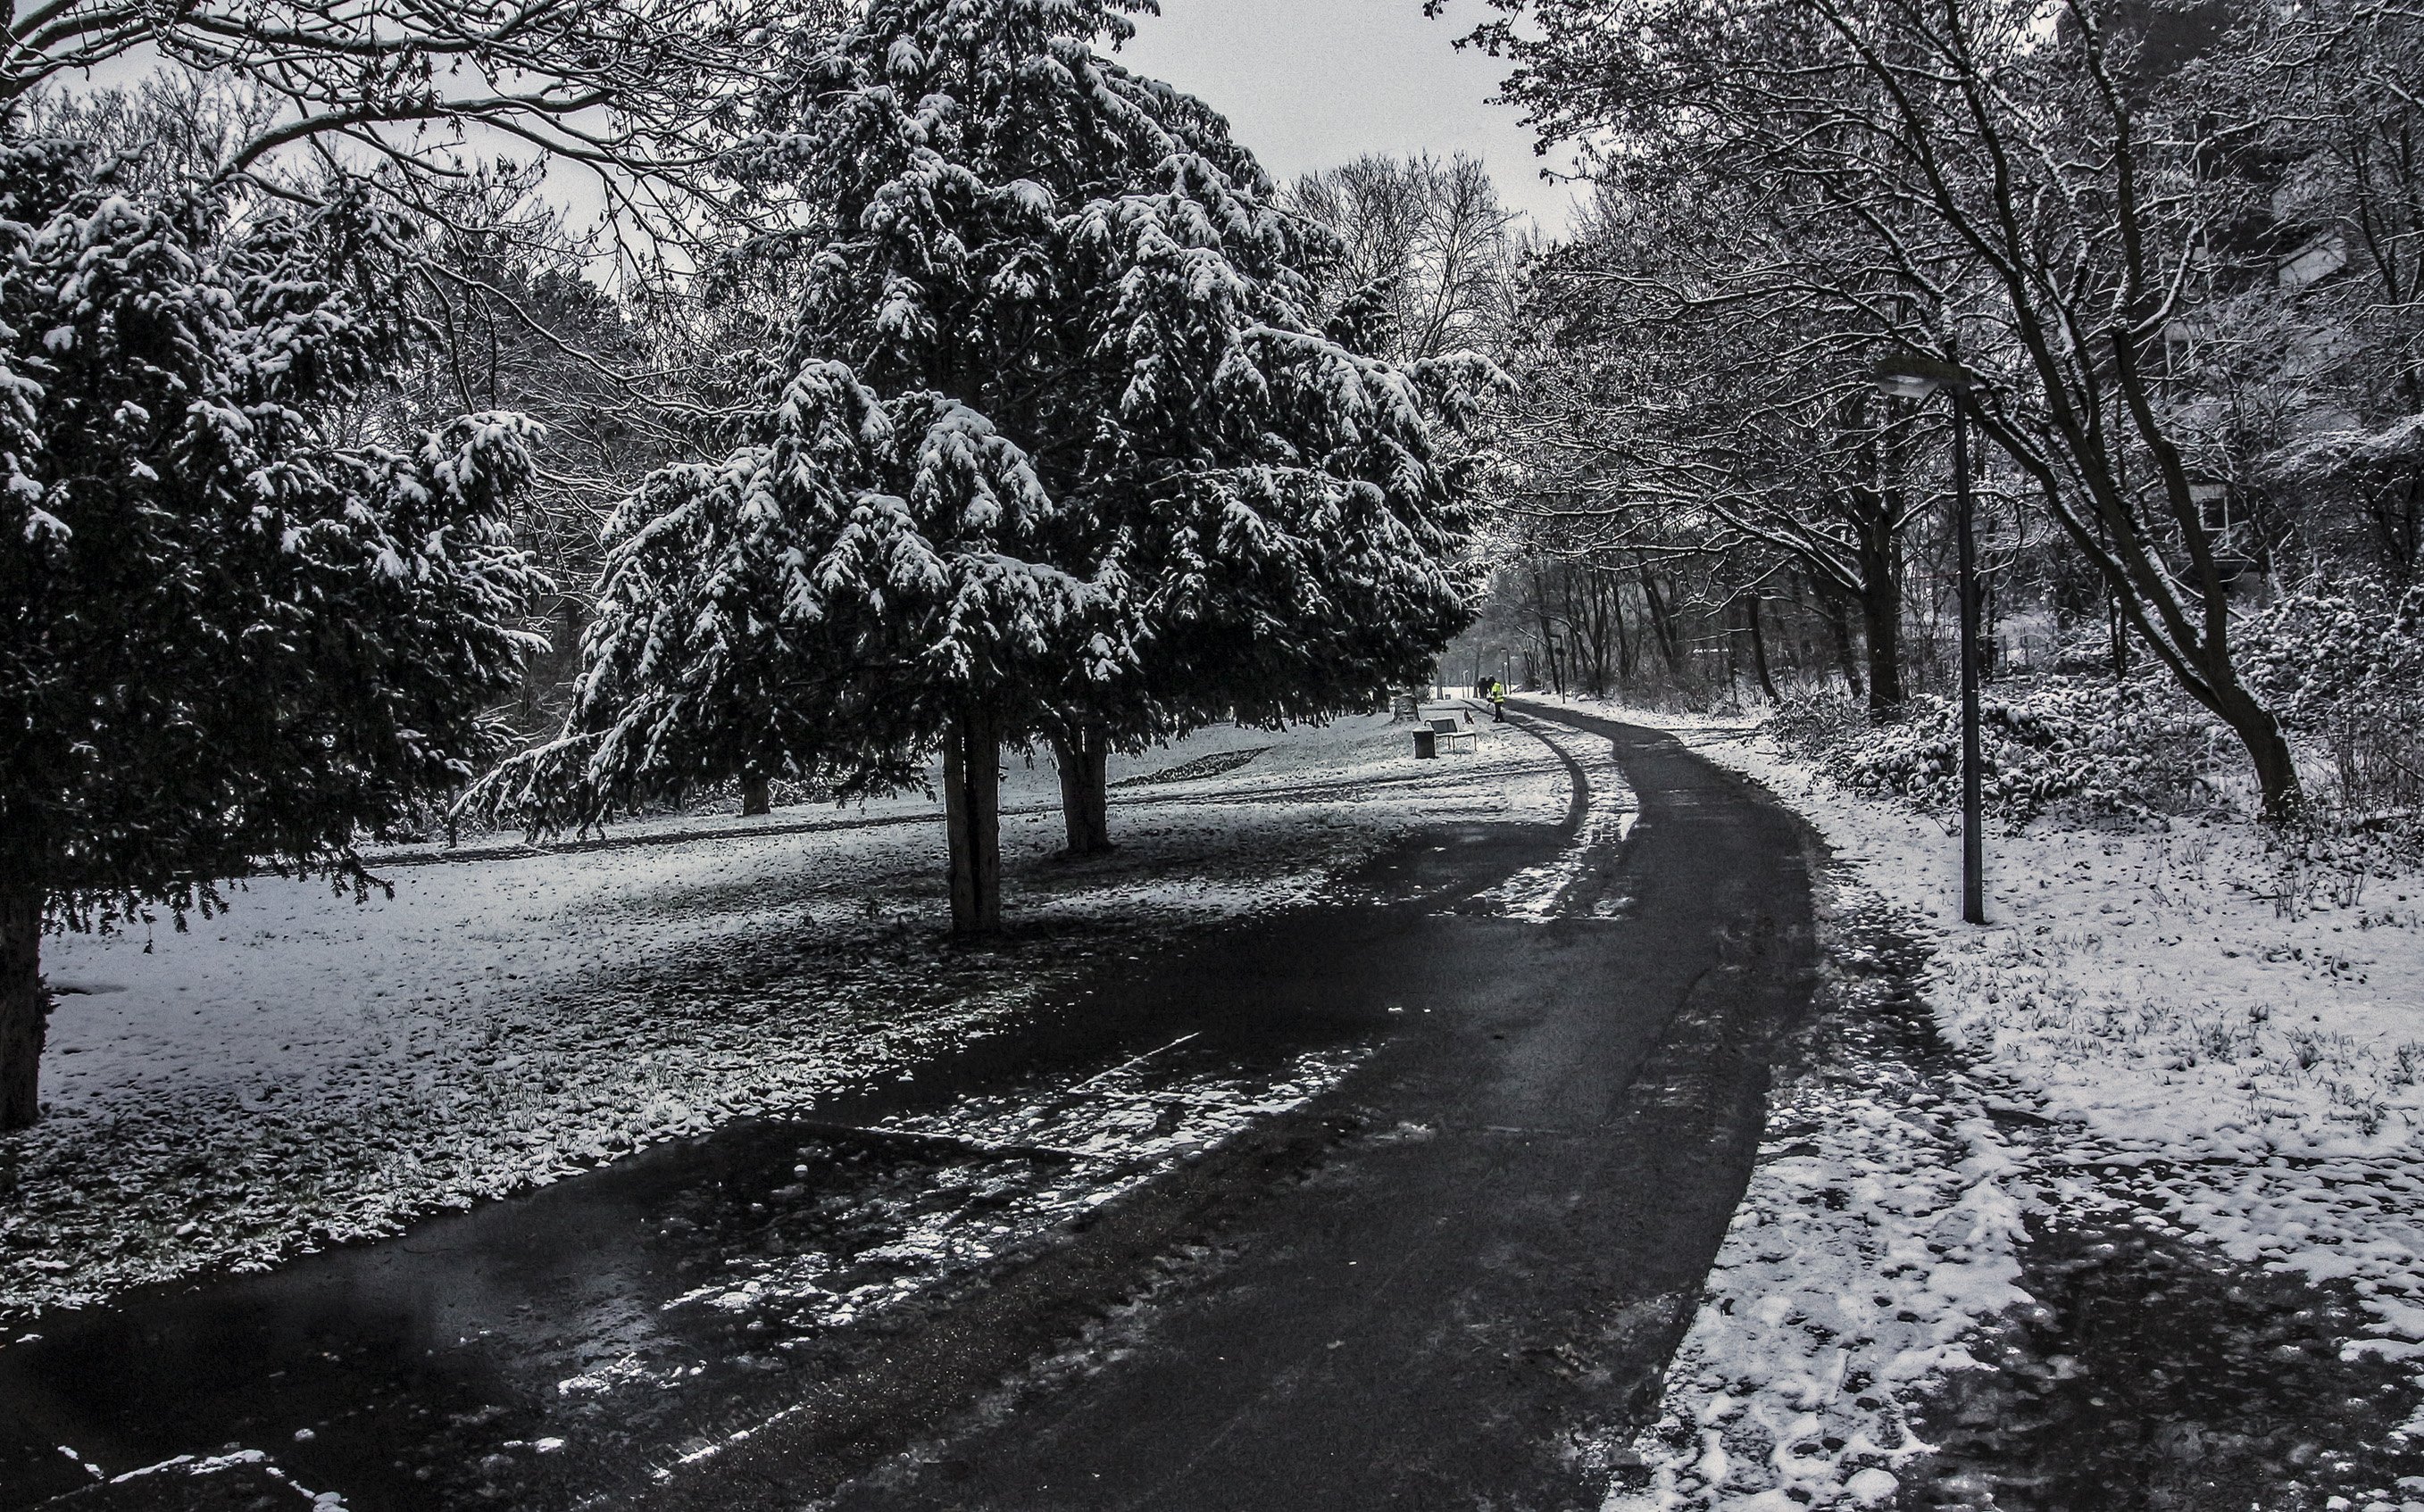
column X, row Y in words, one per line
column 1422, row 1289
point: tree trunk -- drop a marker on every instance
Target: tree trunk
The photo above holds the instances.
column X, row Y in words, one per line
column 1624, row 634
column 1881, row 624
column 756, row 796
column 1759, row 651
column 1085, row 791
column 1661, row 624
column 1548, row 631
column 1839, row 629
column 1734, row 652
column 2268, row 750
column 972, row 810
column 25, row 1008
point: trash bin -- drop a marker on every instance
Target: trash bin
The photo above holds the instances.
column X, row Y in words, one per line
column 1427, row 744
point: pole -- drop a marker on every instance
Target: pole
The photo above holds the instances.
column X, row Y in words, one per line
column 1973, row 844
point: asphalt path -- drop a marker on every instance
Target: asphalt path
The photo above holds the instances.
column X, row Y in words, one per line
column 1436, row 1285
column 1492, row 1267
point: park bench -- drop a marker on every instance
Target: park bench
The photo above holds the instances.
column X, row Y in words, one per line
column 1427, row 741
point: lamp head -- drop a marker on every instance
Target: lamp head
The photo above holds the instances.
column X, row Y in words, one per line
column 1915, row 375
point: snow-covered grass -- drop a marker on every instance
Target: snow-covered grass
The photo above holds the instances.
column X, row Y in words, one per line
column 304, row 1069
column 2180, row 1021
column 1562, row 886
column 1879, row 1228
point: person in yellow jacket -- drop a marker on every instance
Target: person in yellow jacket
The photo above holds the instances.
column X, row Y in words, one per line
column 1497, row 701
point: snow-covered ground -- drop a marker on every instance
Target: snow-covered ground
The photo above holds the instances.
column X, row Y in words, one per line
column 2175, row 1030
column 1562, row 886
column 304, row 1069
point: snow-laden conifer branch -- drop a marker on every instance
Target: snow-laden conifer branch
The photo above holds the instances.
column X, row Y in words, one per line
column 248, row 636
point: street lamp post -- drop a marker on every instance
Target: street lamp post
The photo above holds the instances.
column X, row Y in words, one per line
column 1913, row 376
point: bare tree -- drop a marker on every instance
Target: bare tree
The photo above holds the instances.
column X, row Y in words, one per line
column 1425, row 244
column 1663, row 408
column 2051, row 201
column 643, row 92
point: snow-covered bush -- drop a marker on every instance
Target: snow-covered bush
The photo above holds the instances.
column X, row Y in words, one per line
column 2083, row 747
column 2343, row 667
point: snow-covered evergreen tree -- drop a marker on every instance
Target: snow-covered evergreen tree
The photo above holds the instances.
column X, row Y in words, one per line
column 234, row 637
column 857, row 580
column 1058, row 450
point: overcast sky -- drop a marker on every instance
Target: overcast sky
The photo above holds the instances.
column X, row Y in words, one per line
column 1310, row 84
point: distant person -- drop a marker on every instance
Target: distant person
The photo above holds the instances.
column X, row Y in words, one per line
column 1497, row 701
